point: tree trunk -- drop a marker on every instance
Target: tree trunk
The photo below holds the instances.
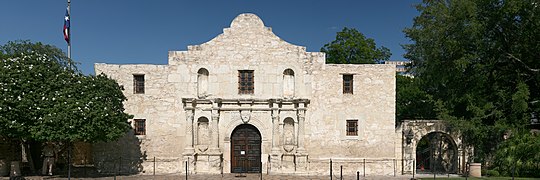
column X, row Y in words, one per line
column 28, row 154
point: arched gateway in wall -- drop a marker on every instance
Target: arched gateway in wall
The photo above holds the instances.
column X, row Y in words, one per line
column 431, row 146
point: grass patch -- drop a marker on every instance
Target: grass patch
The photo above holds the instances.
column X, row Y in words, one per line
column 482, row 178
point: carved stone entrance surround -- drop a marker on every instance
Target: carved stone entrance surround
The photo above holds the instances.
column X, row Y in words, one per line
column 267, row 115
column 414, row 130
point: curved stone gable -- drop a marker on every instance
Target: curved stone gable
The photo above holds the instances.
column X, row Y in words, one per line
column 245, row 40
column 247, row 20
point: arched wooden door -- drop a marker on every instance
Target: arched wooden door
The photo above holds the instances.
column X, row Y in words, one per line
column 246, row 149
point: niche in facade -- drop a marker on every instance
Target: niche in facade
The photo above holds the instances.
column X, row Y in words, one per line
column 288, row 134
column 203, row 134
column 202, row 83
column 288, row 83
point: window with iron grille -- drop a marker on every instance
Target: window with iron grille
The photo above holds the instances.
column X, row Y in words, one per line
column 140, row 126
column 347, row 84
column 138, row 83
column 352, row 127
column 245, row 82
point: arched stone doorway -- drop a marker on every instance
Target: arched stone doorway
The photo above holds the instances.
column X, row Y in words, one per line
column 246, row 149
column 413, row 134
column 436, row 152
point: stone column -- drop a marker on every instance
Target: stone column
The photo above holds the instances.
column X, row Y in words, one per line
column 214, row 130
column 275, row 130
column 275, row 160
column 301, row 155
column 301, row 121
column 189, row 150
column 409, row 152
column 214, row 155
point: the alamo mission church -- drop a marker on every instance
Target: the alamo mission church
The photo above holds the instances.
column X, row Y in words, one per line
column 250, row 101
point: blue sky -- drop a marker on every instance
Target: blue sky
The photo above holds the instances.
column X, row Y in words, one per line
column 143, row 31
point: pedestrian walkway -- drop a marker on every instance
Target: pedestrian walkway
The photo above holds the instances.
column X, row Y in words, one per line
column 216, row 177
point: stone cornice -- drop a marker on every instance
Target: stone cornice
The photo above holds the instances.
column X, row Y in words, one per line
column 191, row 104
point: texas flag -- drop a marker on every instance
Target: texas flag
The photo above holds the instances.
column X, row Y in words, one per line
column 66, row 26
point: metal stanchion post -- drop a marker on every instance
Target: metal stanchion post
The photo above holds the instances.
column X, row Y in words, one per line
column 341, row 172
column 513, row 171
column 330, row 169
column 394, row 160
column 115, row 164
column 433, row 161
column 414, row 167
column 120, row 166
column 364, row 167
column 154, row 166
column 69, row 161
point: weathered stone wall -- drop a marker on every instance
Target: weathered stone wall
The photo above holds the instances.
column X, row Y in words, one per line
column 172, row 104
column 160, row 107
column 372, row 104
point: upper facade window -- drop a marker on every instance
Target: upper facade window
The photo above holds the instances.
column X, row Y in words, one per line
column 140, row 127
column 352, row 127
column 347, row 84
column 245, row 82
column 138, row 83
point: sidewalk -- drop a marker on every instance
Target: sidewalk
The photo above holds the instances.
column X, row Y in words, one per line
column 215, row 177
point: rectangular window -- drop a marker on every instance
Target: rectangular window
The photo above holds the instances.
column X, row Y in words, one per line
column 138, row 83
column 140, row 126
column 245, row 82
column 347, row 84
column 352, row 127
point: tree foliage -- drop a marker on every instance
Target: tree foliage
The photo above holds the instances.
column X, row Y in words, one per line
column 480, row 60
column 519, row 155
column 411, row 101
column 352, row 47
column 44, row 98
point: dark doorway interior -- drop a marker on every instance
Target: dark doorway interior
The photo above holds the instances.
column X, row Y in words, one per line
column 436, row 153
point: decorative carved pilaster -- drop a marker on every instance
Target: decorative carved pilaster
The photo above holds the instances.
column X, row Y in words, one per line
column 189, row 150
column 275, row 130
column 408, row 156
column 214, row 130
column 301, row 120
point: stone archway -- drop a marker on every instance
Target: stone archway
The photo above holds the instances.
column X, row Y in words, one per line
column 436, row 152
column 412, row 133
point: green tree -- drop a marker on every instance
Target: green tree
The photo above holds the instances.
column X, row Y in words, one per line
column 44, row 98
column 411, row 101
column 352, row 47
column 479, row 59
column 520, row 152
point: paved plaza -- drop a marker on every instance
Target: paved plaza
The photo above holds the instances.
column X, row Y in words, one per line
column 212, row 177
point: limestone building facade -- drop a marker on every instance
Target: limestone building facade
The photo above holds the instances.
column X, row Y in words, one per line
column 248, row 101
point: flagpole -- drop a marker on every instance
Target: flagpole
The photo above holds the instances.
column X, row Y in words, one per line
column 69, row 66
column 69, row 32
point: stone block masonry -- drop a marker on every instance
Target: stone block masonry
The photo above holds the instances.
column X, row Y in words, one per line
column 249, row 101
